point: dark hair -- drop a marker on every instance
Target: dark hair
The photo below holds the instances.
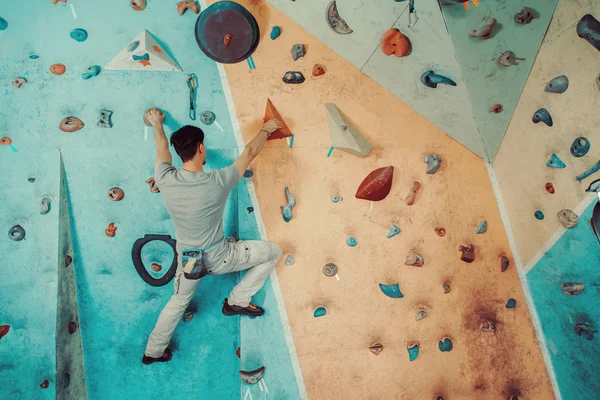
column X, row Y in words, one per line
column 186, row 141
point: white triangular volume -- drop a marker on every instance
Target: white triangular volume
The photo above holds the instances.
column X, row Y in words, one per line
column 144, row 43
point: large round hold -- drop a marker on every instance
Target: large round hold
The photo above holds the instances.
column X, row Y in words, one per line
column 227, row 19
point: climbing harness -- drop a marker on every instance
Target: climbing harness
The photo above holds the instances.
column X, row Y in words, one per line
column 192, row 82
column 411, row 11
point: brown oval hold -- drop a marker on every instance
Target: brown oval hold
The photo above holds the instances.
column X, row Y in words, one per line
column 5, row 140
column 4, row 329
column 440, row 231
column 497, row 108
column 111, row 231
column 549, row 187
column 504, row 263
column 376, row 348
column 138, row 5
column 156, row 267
column 394, row 42
column 412, row 193
column 45, row 384
column 468, row 253
column 146, row 115
column 116, row 194
column 71, row 124
column 18, row 82
column 318, row 70
column 72, row 327
column 58, row 69
column 377, row 185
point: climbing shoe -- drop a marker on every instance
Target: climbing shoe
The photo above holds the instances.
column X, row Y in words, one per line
column 167, row 355
column 251, row 310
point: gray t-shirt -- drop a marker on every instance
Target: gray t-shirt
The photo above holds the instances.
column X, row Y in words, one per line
column 196, row 201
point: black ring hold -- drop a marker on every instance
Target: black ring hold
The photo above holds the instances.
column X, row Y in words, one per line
column 136, row 255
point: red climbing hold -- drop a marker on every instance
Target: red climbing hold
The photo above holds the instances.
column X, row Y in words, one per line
column 238, row 352
column 45, row 384
column 227, row 39
column 72, row 328
column 271, row 113
column 377, row 185
column 4, row 330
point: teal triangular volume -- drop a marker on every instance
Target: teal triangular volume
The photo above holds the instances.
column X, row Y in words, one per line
column 555, row 162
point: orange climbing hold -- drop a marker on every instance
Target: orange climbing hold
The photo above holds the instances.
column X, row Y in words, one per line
column 377, row 185
column 111, row 230
column 183, row 6
column 412, row 193
column 549, row 187
column 59, row 1
column 271, row 113
column 318, row 70
column 5, row 140
column 394, row 42
column 58, row 69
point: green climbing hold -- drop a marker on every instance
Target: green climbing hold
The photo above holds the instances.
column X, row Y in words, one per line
column 482, row 228
column 351, row 241
column 413, row 352
column 394, row 230
column 555, row 162
column 319, row 312
column 275, row 32
column 445, row 344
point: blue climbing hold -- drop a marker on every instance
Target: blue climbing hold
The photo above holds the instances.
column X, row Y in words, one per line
column 79, row 34
column 248, row 173
column 431, row 79
column 539, row 214
column 275, row 32
column 320, row 311
column 482, row 228
column 511, row 303
column 92, row 71
column 145, row 57
column 392, row 291
column 34, row 57
column 351, row 241
column 445, row 344
column 542, row 115
column 413, row 352
column 250, row 209
column 336, row 199
column 580, row 147
column 287, row 209
column 555, row 162
column 3, row 24
column 394, row 230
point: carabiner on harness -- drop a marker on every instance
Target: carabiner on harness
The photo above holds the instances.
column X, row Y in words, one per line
column 192, row 82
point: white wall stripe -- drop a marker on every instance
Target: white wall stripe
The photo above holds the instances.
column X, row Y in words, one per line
column 535, row 319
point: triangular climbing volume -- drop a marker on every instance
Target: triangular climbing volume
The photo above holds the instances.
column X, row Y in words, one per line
column 344, row 136
column 271, row 113
column 143, row 54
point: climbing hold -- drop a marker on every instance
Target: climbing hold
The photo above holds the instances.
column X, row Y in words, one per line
column 67, row 260
column 298, row 50
column 138, row 5
column 336, row 199
column 580, row 147
column 344, row 135
column 287, row 209
column 525, row 16
column 572, row 288
column 497, row 108
column 4, row 329
column 5, row 140
column 511, row 303
column 377, row 185
column 111, row 230
column 318, row 70
column 105, row 121
column 440, row 231
column 487, row 326
column 92, row 71
column 508, row 58
column 146, row 121
column 3, row 24
column 319, row 312
column 414, row 260
column 18, row 82
column 585, row 328
column 542, row 115
column 557, row 85
column 227, row 39
column 351, row 241
column 420, row 315
column 336, row 22
column 116, row 194
column 468, row 253
column 394, row 230
column 588, row 28
column 433, row 163
column 156, row 267
column 66, row 380
column 72, row 327
column 289, row 260
column 143, row 57
column 394, row 42
column 272, row 113
column 79, row 34
column 568, row 218
column 594, row 187
column 248, row 173
column 45, row 384
column 133, row 45
column 293, row 77
column 58, row 69
column 549, row 187
column 376, row 348
column 431, row 79
column 207, row 117
column 54, row 2
column 275, row 32
column 33, row 56
column 153, row 186
column 446, row 287
column 183, row 6
column 485, row 32
column 555, row 162
column 237, row 353
column 445, row 344
column 187, row 316
column 45, row 206
column 539, row 214
column 16, row 233
column 504, row 263
column 413, row 352
column 482, row 228
column 412, row 193
column 589, row 172
column 71, row 124
column 392, row 291
column 330, row 269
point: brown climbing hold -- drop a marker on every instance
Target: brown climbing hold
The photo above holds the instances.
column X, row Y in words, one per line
column 485, row 32
column 487, row 326
column 238, row 353
column 394, row 42
column 156, row 267
column 153, row 187
column 183, row 6
column 58, row 69
column 572, row 288
column 440, row 231
column 568, row 218
column 447, row 288
column 4, row 330
column 18, row 82
column 54, row 2
column 508, row 58
column 45, row 384
column 504, row 263
column 116, row 194
column 377, row 185
column 468, row 253
column 412, row 193
column 549, row 187
column 271, row 113
column 146, row 121
column 70, row 124
column 72, row 327
column 138, row 5
column 376, row 348
column 414, row 260
column 111, row 230
column 525, row 16
column 5, row 140
column 497, row 108
column 318, row 70
column 68, row 260
column 227, row 39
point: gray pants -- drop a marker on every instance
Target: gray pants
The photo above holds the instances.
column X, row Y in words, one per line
column 258, row 257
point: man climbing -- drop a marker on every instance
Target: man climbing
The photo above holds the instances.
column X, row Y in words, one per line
column 195, row 201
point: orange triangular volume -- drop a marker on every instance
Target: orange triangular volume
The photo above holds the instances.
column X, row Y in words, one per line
column 271, row 113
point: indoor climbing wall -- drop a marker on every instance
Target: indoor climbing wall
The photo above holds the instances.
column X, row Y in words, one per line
column 550, row 254
column 458, row 329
